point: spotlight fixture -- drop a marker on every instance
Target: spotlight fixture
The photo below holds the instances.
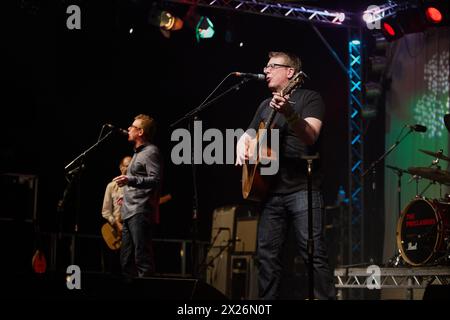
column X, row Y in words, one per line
column 204, row 29
column 169, row 22
column 436, row 12
column 378, row 64
column 373, row 90
column 165, row 20
column 391, row 29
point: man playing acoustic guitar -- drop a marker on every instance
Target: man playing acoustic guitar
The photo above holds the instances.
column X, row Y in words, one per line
column 112, row 202
column 297, row 114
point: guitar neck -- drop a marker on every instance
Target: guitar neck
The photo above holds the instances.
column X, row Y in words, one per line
column 269, row 120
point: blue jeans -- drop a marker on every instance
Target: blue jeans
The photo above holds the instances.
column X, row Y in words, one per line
column 136, row 251
column 278, row 211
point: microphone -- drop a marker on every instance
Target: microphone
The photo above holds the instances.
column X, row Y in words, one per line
column 256, row 76
column 304, row 75
column 120, row 130
column 417, row 127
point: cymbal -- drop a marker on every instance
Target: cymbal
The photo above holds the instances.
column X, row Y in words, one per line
column 433, row 174
column 438, row 154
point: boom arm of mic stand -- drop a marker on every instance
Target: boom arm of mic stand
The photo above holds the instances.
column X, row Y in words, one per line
column 201, row 107
column 384, row 155
column 84, row 153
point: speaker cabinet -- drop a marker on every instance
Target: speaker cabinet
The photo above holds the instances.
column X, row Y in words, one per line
column 244, row 278
column 218, row 256
column 246, row 235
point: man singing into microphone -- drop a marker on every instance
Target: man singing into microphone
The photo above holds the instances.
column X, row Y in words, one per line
column 299, row 120
column 140, row 206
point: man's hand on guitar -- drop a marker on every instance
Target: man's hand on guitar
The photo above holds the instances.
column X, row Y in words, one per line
column 244, row 149
column 121, row 180
column 119, row 226
column 281, row 104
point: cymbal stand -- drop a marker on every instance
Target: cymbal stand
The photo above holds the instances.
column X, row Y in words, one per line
column 396, row 259
column 426, row 188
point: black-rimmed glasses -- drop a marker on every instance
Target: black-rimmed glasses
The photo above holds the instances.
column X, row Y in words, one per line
column 271, row 66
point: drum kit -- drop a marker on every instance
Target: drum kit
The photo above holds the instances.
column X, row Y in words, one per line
column 423, row 229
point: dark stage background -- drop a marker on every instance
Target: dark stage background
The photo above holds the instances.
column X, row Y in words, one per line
column 60, row 86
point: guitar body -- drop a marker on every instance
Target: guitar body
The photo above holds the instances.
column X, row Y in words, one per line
column 255, row 186
column 111, row 236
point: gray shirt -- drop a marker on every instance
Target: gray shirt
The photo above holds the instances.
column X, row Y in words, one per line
column 141, row 195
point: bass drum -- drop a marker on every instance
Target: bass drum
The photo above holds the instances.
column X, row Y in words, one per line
column 423, row 231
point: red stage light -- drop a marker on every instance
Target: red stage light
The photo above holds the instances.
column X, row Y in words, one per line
column 433, row 15
column 389, row 29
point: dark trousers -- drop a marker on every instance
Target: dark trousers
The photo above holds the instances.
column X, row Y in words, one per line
column 111, row 261
column 136, row 252
column 278, row 211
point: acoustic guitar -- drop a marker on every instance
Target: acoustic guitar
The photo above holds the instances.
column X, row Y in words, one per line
column 255, row 186
column 113, row 237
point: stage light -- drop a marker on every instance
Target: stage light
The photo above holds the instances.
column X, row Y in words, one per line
column 373, row 90
column 204, row 29
column 436, row 12
column 403, row 22
column 378, row 64
column 380, row 43
column 169, row 22
column 165, row 20
column 370, row 111
column 433, row 15
column 391, row 28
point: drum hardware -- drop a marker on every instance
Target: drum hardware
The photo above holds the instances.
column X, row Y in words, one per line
column 397, row 260
column 434, row 174
column 438, row 155
column 415, row 178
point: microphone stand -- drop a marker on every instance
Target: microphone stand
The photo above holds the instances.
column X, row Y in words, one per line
column 191, row 116
column 310, row 241
column 384, row 155
column 75, row 175
column 373, row 165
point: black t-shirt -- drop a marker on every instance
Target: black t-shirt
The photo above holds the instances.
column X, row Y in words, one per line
column 291, row 176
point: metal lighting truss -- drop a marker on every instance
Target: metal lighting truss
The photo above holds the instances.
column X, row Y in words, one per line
column 277, row 9
column 355, row 149
column 408, row 278
column 381, row 11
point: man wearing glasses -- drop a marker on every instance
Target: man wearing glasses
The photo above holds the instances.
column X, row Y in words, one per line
column 299, row 120
column 140, row 206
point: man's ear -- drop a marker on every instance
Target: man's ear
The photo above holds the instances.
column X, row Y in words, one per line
column 291, row 73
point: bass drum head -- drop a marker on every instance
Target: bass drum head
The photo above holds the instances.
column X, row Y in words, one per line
column 417, row 232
